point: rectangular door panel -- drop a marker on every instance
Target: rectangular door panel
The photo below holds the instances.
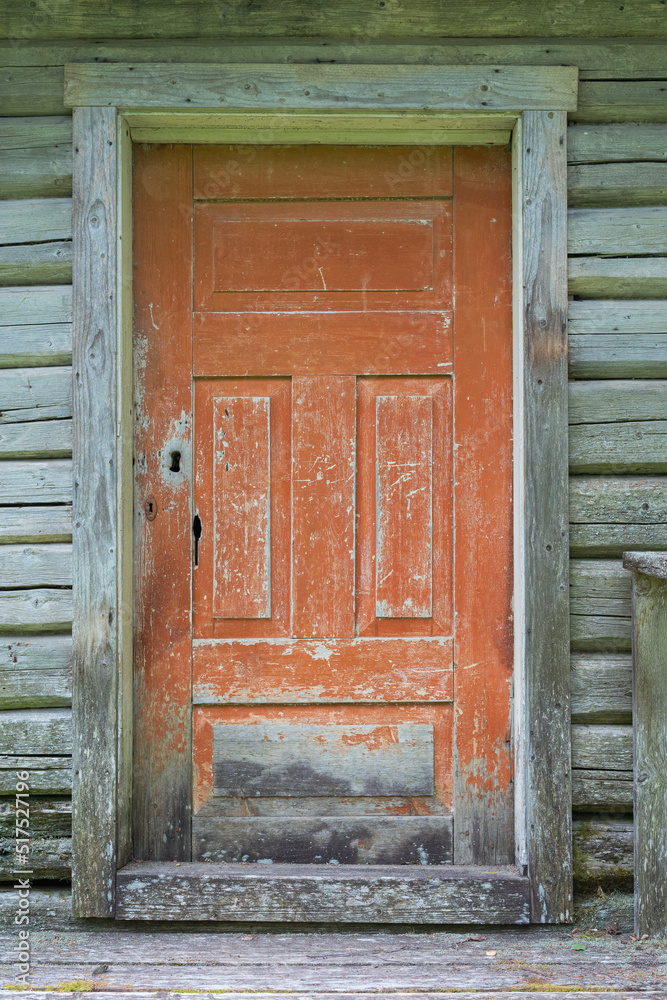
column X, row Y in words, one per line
column 243, row 497
column 311, row 343
column 279, row 256
column 404, row 507
column 321, row 671
column 293, row 759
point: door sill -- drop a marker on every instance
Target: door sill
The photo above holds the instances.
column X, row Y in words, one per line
column 383, row 894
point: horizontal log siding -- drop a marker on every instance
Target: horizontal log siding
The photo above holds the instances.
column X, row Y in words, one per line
column 617, row 148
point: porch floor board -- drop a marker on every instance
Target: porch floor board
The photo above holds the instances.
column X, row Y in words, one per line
column 356, row 965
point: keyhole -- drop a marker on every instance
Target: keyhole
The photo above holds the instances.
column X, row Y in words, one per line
column 196, row 531
column 175, row 461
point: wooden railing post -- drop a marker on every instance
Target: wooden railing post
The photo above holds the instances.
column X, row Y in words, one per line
column 649, row 657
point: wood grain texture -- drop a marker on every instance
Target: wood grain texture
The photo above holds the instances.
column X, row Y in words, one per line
column 32, row 89
column 618, row 277
column 621, row 101
column 36, row 482
column 34, row 132
column 433, row 894
column 617, row 231
column 35, row 672
column 604, row 854
column 36, row 565
column 546, row 709
column 649, row 621
column 482, row 414
column 44, row 609
column 162, row 330
column 597, row 316
column 616, row 143
column 38, row 172
column 28, row 306
column 617, row 184
column 601, row 791
column 39, row 439
column 49, row 775
column 35, row 393
column 36, row 732
column 305, row 760
column 50, row 858
column 322, row 671
column 366, row 840
column 41, row 344
column 599, row 605
column 323, row 505
column 608, row 402
column 36, row 264
column 624, row 355
column 633, row 446
column 607, row 748
column 650, row 563
column 95, row 544
column 35, row 220
column 321, row 86
column 601, row 688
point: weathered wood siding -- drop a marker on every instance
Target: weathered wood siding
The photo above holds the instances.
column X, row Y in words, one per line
column 617, row 150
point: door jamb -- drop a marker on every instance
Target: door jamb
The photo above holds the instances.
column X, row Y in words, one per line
column 110, row 103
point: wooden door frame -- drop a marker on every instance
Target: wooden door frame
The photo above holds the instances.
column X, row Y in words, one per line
column 116, row 104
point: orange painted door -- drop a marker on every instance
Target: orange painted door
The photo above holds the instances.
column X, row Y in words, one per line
column 323, row 391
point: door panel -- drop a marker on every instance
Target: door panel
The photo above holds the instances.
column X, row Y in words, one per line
column 345, row 417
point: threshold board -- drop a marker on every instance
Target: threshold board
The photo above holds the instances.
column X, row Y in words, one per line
column 421, row 894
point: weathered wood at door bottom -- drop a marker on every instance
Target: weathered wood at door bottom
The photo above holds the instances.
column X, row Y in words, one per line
column 338, row 893
column 347, row 840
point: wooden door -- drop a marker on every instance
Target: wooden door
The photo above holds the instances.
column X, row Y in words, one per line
column 323, row 504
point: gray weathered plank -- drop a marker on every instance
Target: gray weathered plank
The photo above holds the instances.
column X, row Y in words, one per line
column 545, row 639
column 618, row 277
column 601, row 688
column 49, row 817
column 41, row 344
column 35, row 672
column 621, row 101
column 602, row 748
column 35, row 220
column 36, row 732
column 617, row 231
column 613, row 316
column 39, row 438
column 371, row 840
column 32, row 89
column 627, row 400
column 633, row 446
column 48, row 481
column 35, row 524
column 605, row 513
column 320, row 86
column 649, row 625
column 37, row 172
column 294, row 759
column 36, row 264
column 636, row 355
column 599, row 605
column 35, row 566
column 34, row 132
column 603, row 854
column 597, row 57
column 601, row 791
column 605, row 143
column 50, row 858
column 40, row 610
column 617, row 184
column 49, row 775
column 35, row 305
column 95, row 543
column 429, row 894
column 35, row 393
